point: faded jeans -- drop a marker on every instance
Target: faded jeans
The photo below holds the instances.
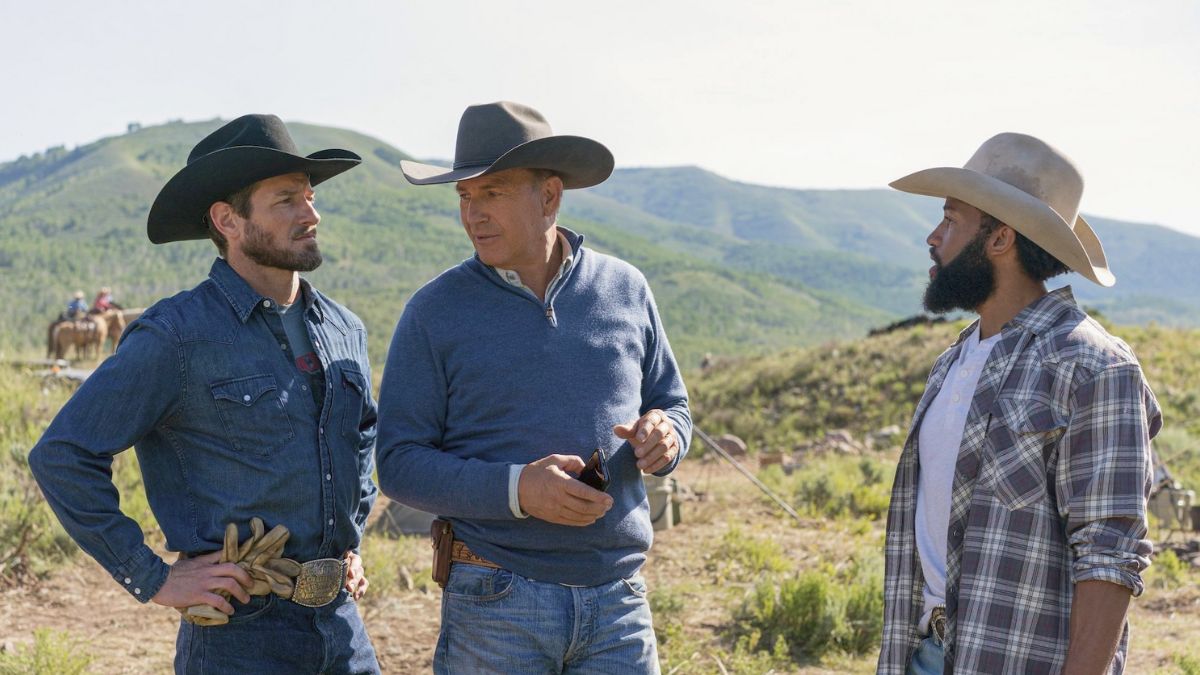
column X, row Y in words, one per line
column 495, row 621
column 929, row 659
column 269, row 635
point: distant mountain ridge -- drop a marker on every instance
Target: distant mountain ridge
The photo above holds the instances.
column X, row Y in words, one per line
column 880, row 235
column 736, row 268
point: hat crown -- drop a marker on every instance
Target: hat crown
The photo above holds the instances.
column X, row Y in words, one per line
column 487, row 131
column 261, row 131
column 1033, row 167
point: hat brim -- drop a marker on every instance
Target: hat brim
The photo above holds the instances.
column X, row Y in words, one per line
column 1077, row 248
column 178, row 212
column 580, row 162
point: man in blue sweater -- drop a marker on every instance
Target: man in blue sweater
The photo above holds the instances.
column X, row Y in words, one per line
column 505, row 374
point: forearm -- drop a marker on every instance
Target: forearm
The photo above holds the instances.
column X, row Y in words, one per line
column 1097, row 621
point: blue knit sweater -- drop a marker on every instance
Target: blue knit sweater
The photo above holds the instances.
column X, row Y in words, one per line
column 481, row 375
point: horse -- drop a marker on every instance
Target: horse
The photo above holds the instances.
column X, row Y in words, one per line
column 114, row 326
column 128, row 316
column 84, row 335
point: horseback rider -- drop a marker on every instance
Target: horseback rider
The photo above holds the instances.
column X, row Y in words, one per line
column 103, row 301
column 76, row 308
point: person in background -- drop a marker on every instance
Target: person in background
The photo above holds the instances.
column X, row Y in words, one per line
column 104, row 301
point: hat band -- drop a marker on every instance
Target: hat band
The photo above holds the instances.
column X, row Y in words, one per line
column 474, row 164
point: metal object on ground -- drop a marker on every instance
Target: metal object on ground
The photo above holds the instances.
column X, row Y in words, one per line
column 745, row 472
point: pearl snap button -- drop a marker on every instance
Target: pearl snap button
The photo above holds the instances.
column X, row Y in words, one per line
column 246, row 398
column 128, row 580
column 137, row 591
column 266, row 303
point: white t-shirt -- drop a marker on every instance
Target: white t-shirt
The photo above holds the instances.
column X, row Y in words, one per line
column 938, row 443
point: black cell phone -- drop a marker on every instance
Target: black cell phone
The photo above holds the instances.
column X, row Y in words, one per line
column 595, row 473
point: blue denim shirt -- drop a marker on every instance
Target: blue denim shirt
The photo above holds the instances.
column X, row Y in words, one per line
column 225, row 426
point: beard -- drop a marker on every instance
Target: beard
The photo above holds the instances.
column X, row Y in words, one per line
column 257, row 246
column 965, row 283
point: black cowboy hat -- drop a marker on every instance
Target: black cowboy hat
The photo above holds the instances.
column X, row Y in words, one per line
column 248, row 149
column 505, row 135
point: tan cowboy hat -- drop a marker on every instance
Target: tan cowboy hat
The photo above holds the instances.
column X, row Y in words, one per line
column 1029, row 186
column 505, row 135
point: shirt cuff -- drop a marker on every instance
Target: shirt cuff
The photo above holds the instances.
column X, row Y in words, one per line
column 143, row 575
column 514, row 480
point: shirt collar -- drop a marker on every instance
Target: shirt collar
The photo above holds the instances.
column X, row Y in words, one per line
column 243, row 299
column 1038, row 316
column 512, row 278
column 1044, row 312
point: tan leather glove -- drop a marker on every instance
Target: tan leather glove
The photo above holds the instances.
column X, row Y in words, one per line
column 260, row 556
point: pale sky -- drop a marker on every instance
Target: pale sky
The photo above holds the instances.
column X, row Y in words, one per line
column 789, row 93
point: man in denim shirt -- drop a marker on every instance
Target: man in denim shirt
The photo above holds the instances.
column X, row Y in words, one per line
column 247, row 396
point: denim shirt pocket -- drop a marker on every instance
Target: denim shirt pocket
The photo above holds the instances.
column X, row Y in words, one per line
column 253, row 414
column 354, row 398
column 1024, row 449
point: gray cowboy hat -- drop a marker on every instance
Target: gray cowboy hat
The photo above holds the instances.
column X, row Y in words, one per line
column 241, row 153
column 1030, row 186
column 505, row 135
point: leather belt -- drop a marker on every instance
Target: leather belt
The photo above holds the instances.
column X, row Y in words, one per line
column 460, row 553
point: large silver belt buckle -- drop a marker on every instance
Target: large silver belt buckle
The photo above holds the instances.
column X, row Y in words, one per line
column 319, row 582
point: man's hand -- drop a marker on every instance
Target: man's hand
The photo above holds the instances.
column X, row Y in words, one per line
column 356, row 577
column 547, row 492
column 195, row 581
column 653, row 439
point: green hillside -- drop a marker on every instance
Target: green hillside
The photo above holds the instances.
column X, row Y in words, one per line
column 870, row 244
column 780, row 402
column 76, row 219
column 736, row 268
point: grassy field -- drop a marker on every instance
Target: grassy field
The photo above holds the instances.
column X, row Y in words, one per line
column 737, row 587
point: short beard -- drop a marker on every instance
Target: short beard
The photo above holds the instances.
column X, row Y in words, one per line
column 965, row 283
column 257, row 247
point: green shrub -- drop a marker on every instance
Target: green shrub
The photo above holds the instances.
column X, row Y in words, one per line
column 1188, row 665
column 391, row 563
column 666, row 606
column 741, row 556
column 52, row 653
column 32, row 542
column 1168, row 571
column 834, row 486
column 816, row 612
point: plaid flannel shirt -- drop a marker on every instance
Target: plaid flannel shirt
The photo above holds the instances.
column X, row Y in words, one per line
column 1050, row 489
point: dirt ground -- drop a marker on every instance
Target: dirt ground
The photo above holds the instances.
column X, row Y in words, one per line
column 126, row 637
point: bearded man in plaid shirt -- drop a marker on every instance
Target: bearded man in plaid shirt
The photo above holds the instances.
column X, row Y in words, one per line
column 1017, row 529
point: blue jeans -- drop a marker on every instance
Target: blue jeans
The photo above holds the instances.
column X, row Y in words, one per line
column 929, row 659
column 270, row 635
column 495, row 621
